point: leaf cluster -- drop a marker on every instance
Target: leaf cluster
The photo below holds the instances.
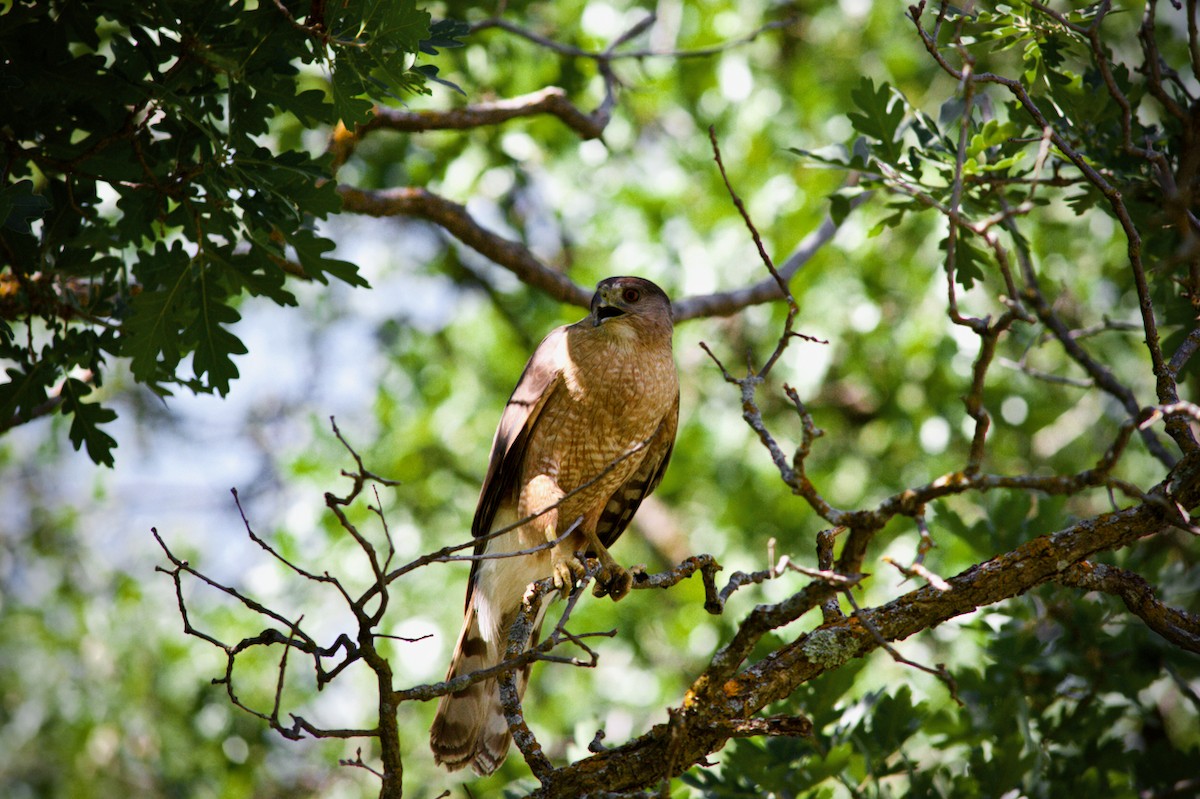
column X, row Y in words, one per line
column 1086, row 93
column 137, row 141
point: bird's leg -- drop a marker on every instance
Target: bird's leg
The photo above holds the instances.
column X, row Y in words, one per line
column 612, row 579
column 543, row 492
column 568, row 568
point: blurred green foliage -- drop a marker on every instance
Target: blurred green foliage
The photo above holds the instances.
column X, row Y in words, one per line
column 1063, row 692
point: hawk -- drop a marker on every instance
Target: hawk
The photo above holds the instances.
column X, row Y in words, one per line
column 584, row 438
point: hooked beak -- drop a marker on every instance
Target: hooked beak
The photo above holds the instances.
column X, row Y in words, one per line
column 603, row 312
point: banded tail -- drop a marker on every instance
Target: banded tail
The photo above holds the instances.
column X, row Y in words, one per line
column 469, row 727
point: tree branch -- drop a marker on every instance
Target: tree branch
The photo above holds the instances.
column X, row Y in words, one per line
column 1177, row 626
column 1166, row 387
column 456, row 220
column 551, row 100
column 699, row 727
column 518, row 259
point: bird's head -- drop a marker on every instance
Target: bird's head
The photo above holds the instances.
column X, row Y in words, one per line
column 631, row 303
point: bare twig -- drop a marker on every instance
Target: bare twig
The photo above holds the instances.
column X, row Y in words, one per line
column 357, row 762
column 938, row 671
column 784, row 290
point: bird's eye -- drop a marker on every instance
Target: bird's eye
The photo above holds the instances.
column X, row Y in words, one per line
column 631, row 295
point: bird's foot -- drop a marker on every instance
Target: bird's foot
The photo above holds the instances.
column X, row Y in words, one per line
column 568, row 570
column 612, row 580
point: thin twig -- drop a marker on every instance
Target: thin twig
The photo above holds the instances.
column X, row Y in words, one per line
column 938, row 671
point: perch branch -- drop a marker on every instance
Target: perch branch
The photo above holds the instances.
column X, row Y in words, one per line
column 698, row 729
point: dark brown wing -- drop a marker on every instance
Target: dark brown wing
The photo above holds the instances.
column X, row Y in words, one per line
column 625, row 500
column 501, row 484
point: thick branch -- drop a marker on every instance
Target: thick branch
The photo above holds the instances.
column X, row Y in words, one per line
column 697, row 730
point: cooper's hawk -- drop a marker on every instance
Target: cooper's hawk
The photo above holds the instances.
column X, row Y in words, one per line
column 586, row 435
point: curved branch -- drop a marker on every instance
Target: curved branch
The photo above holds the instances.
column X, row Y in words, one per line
column 1177, row 626
column 551, row 100
column 457, row 221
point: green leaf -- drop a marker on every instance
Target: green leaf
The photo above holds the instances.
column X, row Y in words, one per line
column 445, row 33
column 215, row 345
column 840, row 204
column 879, row 117
column 373, row 42
column 151, row 334
column 25, row 390
column 19, row 204
column 951, row 110
column 839, row 207
column 311, row 249
column 1088, row 198
column 892, row 220
column 969, row 261
column 253, row 270
column 835, row 155
column 348, row 88
column 894, row 719
column 86, row 418
column 430, row 72
column 992, row 134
